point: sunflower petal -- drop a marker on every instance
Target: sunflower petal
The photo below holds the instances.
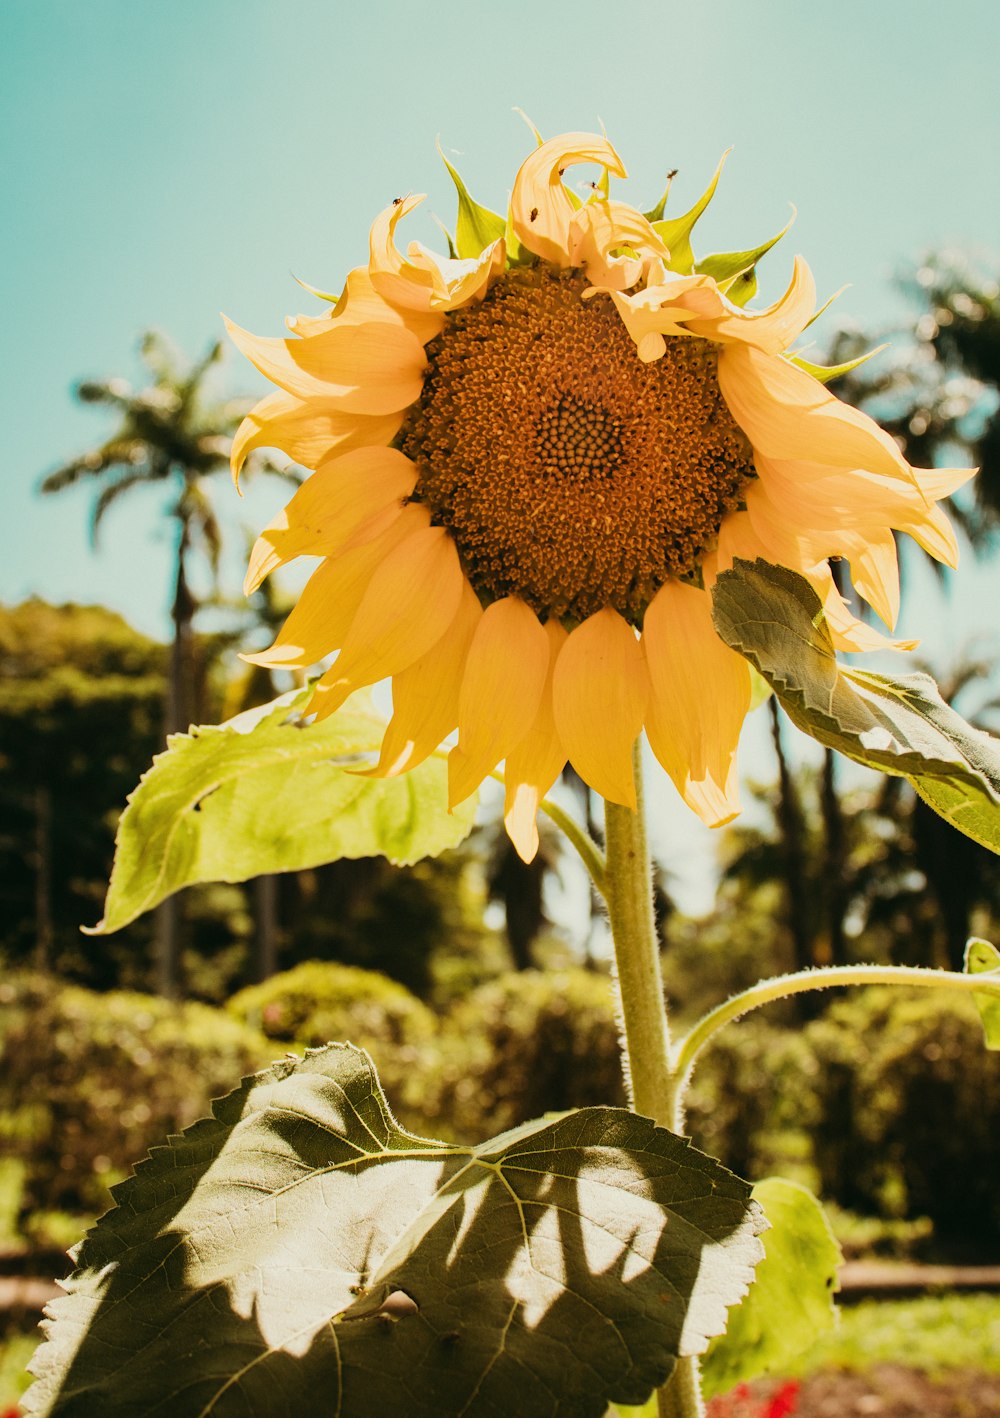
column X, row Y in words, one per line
column 353, row 496
column 375, row 368
column 535, row 764
column 771, row 330
column 599, row 693
column 409, row 603
column 425, row 697
column 541, row 206
column 699, row 697
column 788, row 414
column 504, row 677
column 308, row 430
column 420, row 281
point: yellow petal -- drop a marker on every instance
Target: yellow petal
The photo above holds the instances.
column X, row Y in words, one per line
column 361, row 303
column 535, row 764
column 602, row 228
column 541, row 207
column 309, row 430
column 425, row 697
column 786, row 413
column 352, row 497
column 650, row 314
column 322, row 615
column 847, row 632
column 504, row 676
column 408, row 605
column 375, row 368
column 420, row 281
column 934, row 533
column 771, row 330
column 599, row 695
column 699, row 697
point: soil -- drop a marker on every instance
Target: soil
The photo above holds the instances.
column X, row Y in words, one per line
column 892, row 1391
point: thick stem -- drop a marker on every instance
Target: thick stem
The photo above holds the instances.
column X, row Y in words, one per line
column 628, row 891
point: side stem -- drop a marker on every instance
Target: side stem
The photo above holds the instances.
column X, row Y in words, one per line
column 628, row 892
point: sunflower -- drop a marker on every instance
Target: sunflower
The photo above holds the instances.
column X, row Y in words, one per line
column 531, row 461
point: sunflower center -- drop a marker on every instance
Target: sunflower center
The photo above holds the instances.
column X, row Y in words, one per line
column 567, row 472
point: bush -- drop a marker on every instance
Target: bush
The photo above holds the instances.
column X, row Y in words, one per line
column 909, row 1111
column 530, row 1043
column 89, row 1082
column 321, row 1001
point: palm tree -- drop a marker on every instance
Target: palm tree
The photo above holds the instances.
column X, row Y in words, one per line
column 170, row 434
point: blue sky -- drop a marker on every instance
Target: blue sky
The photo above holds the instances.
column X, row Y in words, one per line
column 164, row 162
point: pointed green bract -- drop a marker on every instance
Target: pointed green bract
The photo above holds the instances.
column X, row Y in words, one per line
column 676, row 232
column 899, row 725
column 983, row 958
column 266, row 793
column 477, row 227
column 299, row 1254
column 655, row 214
column 723, row 266
column 827, row 373
column 790, row 1303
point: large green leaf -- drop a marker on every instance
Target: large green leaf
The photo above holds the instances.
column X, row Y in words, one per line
column 899, row 725
column 790, row 1303
column 981, row 958
column 299, row 1255
column 265, row 793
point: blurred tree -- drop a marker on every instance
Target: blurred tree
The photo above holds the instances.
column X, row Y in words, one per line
column 170, row 433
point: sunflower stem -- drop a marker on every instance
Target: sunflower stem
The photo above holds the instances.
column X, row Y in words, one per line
column 628, row 892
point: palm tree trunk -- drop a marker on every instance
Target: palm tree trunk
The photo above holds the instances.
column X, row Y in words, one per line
column 43, row 878
column 792, row 829
column 265, row 890
column 835, row 874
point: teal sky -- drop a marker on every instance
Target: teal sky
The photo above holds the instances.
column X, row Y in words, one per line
column 163, row 162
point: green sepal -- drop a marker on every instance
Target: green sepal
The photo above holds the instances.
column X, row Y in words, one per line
column 655, row 214
column 724, row 266
column 897, row 725
column 267, row 792
column 314, row 290
column 790, row 1303
column 827, row 373
column 477, row 227
column 539, row 140
column 676, row 232
column 982, row 958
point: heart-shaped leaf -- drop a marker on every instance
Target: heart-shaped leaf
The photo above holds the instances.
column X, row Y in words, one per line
column 299, row 1254
column 266, row 792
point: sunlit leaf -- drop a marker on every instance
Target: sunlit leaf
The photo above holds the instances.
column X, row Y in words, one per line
column 266, row 793
column 899, row 725
column 300, row 1255
column 790, row 1303
column 981, row 958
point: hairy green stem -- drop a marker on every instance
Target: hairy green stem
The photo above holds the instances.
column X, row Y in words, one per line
column 823, row 979
column 588, row 850
column 628, row 892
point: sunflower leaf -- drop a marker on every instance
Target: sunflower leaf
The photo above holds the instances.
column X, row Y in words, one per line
column 790, row 1303
column 477, row 227
column 264, row 793
column 675, row 232
column 299, row 1254
column 982, row 958
column 899, row 725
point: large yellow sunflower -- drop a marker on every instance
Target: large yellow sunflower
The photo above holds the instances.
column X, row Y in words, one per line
column 530, row 466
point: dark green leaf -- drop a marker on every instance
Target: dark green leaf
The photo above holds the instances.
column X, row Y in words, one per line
column 264, row 793
column 791, row 1300
column 899, row 725
column 982, row 958
column 299, row 1255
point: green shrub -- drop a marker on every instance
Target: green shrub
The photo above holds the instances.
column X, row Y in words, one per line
column 526, row 1044
column 89, row 1082
column 321, row 1001
column 909, row 1111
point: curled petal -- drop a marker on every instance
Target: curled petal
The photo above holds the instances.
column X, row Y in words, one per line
column 322, row 615
column 360, row 303
column 309, row 430
column 425, row 697
column 614, row 244
column 541, row 206
column 788, row 414
column 651, row 314
column 771, row 330
column 599, row 693
column 421, row 281
column 409, row 603
column 351, row 497
column 504, row 676
column 699, row 697
column 535, row 764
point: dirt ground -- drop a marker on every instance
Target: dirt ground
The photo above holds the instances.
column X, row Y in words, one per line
column 891, row 1391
